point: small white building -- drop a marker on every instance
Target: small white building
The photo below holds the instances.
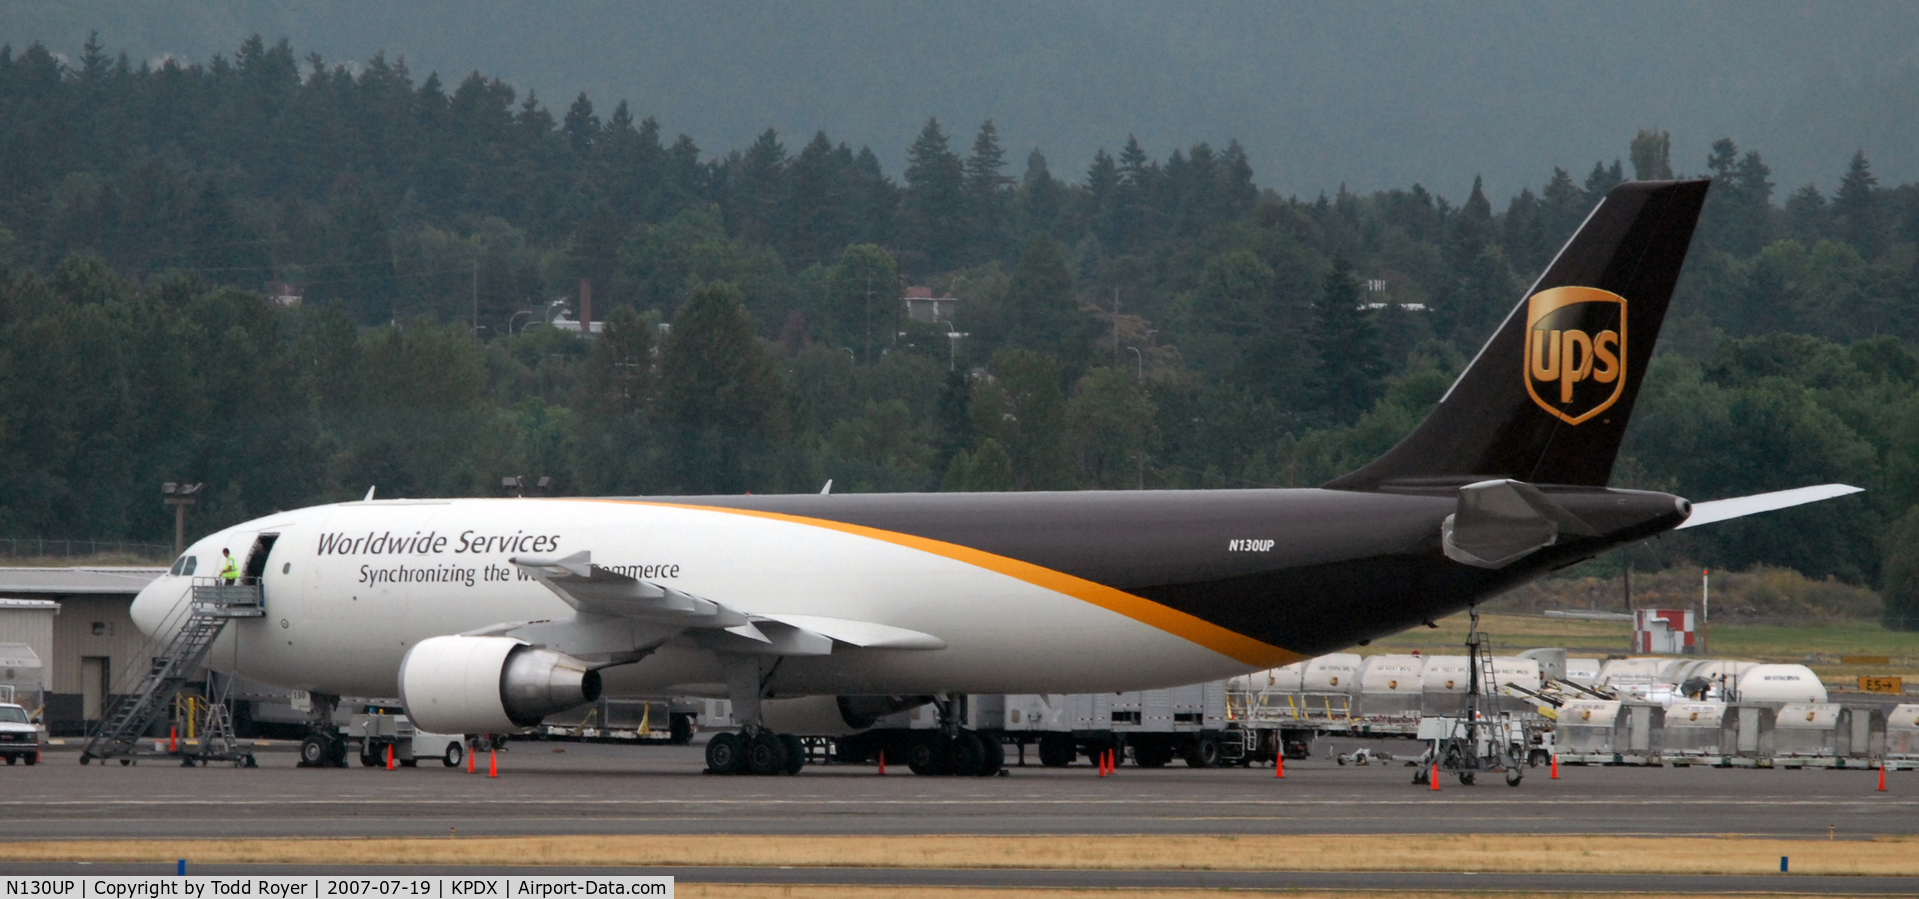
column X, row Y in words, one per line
column 923, row 306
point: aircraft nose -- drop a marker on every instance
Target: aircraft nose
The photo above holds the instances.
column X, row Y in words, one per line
column 154, row 606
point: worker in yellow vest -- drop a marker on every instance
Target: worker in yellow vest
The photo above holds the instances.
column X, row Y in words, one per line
column 230, row 572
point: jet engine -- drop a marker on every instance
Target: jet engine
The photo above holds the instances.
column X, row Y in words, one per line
column 490, row 685
column 833, row 716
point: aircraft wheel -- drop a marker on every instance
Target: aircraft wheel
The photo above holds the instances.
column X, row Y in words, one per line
column 795, row 753
column 313, row 752
column 1056, row 750
column 1421, row 776
column 726, row 754
column 681, row 729
column 125, row 762
column 86, row 758
column 765, row 754
column 370, row 757
column 994, row 755
column 1204, row 753
column 964, row 755
column 454, row 755
column 336, row 752
column 924, row 754
column 1466, row 778
column 1513, row 776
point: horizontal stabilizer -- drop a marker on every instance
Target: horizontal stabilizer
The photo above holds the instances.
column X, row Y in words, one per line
column 1741, row 506
column 1500, row 522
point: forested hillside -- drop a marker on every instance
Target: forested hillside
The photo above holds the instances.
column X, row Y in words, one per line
column 1153, row 323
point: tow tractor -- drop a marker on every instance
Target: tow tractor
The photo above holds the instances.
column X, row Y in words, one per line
column 374, row 733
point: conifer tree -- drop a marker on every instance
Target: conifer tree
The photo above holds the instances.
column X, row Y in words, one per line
column 1601, row 181
column 581, row 126
column 1102, row 190
column 1042, row 197
column 1562, row 206
column 1856, row 208
column 987, row 193
column 935, row 196
column 1345, row 340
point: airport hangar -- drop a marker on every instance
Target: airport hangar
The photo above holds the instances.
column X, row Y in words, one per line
column 75, row 620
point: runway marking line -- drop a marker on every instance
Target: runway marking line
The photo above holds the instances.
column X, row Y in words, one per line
column 1559, row 854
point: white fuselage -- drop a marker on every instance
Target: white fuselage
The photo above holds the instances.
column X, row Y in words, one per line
column 348, row 588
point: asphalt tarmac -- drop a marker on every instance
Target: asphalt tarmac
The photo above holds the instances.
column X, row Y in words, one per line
column 551, row 788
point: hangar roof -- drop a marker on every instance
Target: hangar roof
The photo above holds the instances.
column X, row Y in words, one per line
column 41, row 582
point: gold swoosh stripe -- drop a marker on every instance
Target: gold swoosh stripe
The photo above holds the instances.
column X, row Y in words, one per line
column 1173, row 621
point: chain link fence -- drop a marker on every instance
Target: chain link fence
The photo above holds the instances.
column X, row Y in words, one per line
column 45, row 548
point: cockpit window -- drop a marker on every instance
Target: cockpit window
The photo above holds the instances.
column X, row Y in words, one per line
column 184, row 565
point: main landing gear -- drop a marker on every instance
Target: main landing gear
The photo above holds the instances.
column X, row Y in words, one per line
column 755, row 749
column 759, row 751
column 961, row 753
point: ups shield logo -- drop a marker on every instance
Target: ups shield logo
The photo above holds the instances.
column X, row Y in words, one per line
column 1575, row 351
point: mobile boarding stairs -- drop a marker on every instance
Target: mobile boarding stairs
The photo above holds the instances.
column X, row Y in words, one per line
column 123, row 728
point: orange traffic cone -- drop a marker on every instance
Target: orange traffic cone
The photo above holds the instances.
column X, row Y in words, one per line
column 389, row 756
column 1555, row 766
column 492, row 763
column 1279, row 766
column 882, row 762
column 173, row 739
column 469, row 759
column 1882, row 778
column 1435, row 780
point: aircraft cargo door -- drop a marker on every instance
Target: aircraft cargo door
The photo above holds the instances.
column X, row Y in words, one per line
column 257, row 563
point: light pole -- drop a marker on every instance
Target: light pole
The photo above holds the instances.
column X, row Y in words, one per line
column 953, row 336
column 180, row 496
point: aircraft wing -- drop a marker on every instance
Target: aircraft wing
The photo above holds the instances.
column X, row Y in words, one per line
column 595, row 591
column 1741, row 506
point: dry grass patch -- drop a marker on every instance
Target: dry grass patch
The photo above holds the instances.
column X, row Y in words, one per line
column 1895, row 856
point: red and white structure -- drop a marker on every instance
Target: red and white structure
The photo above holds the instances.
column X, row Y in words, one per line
column 1663, row 631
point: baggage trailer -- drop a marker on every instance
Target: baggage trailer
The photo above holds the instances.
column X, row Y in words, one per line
column 1193, row 723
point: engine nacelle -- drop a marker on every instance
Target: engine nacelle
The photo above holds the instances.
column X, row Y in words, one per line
column 832, row 716
column 490, row 685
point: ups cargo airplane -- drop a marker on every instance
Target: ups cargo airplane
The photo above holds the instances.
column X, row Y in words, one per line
column 817, row 613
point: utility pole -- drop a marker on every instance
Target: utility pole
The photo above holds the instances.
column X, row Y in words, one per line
column 476, row 298
column 867, row 350
column 180, row 496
